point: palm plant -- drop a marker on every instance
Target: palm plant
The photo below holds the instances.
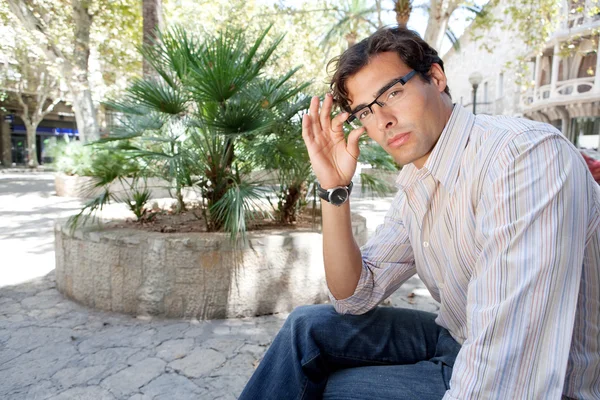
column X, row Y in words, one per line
column 353, row 16
column 210, row 96
column 402, row 8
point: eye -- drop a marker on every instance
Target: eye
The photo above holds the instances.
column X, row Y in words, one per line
column 364, row 113
column 395, row 93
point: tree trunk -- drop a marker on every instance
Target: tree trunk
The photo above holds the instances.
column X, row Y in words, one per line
column 351, row 38
column 289, row 209
column 378, row 8
column 5, row 144
column 87, row 122
column 74, row 70
column 32, row 161
column 439, row 15
column 152, row 14
column 85, row 115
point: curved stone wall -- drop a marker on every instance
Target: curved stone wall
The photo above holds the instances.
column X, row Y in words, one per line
column 192, row 275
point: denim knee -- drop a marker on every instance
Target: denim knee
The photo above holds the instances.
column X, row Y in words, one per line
column 303, row 318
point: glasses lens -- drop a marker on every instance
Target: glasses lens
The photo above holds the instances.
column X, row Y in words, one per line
column 392, row 95
column 355, row 123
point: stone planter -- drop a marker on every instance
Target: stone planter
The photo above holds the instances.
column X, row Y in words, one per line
column 82, row 187
column 192, row 275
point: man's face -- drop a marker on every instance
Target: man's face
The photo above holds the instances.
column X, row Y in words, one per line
column 409, row 128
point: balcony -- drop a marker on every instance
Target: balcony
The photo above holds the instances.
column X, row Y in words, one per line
column 580, row 13
column 571, row 89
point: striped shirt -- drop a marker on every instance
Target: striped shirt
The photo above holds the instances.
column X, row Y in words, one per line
column 502, row 226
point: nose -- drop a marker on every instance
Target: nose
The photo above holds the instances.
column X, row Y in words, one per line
column 385, row 118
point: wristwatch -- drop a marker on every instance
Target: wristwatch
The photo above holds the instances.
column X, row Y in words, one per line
column 337, row 195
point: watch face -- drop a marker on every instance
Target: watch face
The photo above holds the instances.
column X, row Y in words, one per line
column 338, row 196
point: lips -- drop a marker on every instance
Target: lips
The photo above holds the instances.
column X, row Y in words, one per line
column 398, row 140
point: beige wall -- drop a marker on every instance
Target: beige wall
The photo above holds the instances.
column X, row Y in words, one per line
column 472, row 57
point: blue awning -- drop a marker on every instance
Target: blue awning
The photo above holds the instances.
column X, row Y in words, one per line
column 46, row 131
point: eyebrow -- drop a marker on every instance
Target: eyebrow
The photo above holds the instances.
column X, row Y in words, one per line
column 383, row 89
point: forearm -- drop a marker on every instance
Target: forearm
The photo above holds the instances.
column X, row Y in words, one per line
column 341, row 254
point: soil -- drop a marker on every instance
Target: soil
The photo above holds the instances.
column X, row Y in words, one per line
column 192, row 220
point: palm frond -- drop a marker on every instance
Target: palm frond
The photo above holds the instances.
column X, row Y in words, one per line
column 376, row 185
column 158, row 96
column 240, row 203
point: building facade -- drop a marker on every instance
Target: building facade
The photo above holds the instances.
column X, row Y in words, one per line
column 13, row 136
column 562, row 84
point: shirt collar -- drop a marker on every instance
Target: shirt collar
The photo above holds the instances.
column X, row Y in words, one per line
column 445, row 159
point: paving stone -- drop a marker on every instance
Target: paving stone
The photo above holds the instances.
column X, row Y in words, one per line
column 137, row 337
column 171, row 386
column 235, row 365
column 140, row 355
column 36, row 365
column 110, row 356
column 194, row 331
column 85, row 393
column 33, row 336
column 77, row 376
column 198, row 363
column 42, row 390
column 172, row 331
column 174, row 349
column 225, row 346
column 139, row 396
column 131, row 379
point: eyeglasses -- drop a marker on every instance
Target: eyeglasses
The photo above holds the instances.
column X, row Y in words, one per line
column 390, row 95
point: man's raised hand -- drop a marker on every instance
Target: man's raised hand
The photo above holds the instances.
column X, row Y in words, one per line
column 333, row 160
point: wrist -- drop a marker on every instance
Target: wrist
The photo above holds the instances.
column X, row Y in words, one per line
column 336, row 195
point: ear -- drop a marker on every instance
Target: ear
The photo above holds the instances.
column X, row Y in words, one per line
column 438, row 77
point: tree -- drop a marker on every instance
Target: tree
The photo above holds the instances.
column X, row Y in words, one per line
column 153, row 22
column 351, row 16
column 402, row 8
column 74, row 66
column 36, row 89
column 93, row 56
column 29, row 80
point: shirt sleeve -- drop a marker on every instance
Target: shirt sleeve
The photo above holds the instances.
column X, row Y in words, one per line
column 521, row 300
column 388, row 262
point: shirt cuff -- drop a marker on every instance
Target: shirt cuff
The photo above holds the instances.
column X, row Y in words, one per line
column 352, row 304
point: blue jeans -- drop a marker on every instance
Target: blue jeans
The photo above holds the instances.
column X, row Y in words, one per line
column 387, row 353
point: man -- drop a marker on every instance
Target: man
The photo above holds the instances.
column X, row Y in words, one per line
column 498, row 216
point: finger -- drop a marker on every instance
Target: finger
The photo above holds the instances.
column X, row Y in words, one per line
column 326, row 112
column 307, row 133
column 352, row 146
column 337, row 122
column 314, row 115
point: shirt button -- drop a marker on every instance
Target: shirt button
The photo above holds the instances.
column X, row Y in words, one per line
column 425, row 244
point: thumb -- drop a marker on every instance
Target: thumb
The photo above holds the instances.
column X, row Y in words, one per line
column 352, row 146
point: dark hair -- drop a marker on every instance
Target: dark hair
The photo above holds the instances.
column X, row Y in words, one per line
column 413, row 51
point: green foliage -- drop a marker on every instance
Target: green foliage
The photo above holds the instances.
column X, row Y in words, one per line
column 535, row 21
column 71, row 157
column 136, row 202
column 194, row 122
column 118, row 177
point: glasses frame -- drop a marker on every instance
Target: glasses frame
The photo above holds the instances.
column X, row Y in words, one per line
column 402, row 80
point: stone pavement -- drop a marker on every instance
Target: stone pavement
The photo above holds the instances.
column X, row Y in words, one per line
column 53, row 348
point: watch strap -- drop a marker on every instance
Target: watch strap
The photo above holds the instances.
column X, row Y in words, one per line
column 324, row 193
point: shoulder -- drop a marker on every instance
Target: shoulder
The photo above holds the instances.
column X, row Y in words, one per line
column 501, row 140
